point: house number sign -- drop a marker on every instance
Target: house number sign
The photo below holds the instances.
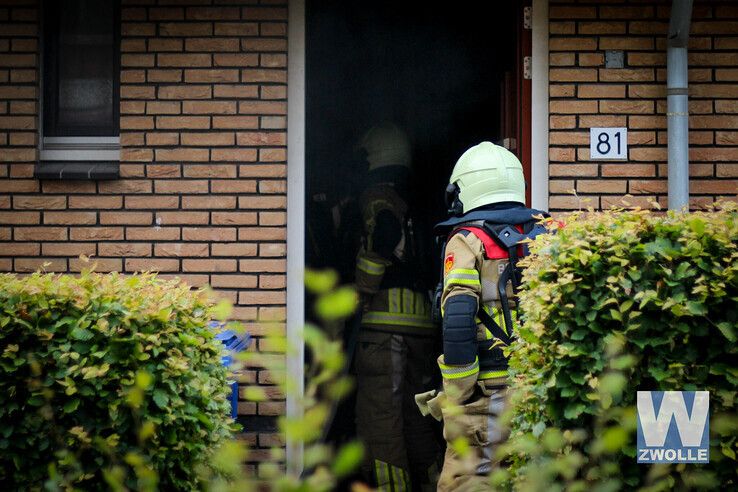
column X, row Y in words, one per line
column 608, row 144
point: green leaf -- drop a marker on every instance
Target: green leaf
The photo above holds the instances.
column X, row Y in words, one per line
column 320, row 281
column 71, row 405
column 161, row 399
column 728, row 331
column 348, row 459
column 79, row 333
column 574, row 410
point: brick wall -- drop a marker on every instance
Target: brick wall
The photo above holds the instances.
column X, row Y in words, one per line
column 202, row 193
column 584, row 94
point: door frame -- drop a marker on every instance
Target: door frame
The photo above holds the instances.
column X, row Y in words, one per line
column 296, row 185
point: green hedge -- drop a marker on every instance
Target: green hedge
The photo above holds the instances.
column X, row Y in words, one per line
column 617, row 302
column 107, row 381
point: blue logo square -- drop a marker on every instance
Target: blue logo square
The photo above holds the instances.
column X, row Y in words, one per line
column 673, row 427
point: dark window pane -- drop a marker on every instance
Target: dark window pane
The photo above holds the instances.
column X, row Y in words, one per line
column 81, row 68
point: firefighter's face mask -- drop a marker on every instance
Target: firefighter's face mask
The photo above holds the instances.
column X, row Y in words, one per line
column 455, row 207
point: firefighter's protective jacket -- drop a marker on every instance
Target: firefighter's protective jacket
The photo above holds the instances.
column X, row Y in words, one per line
column 384, row 272
column 472, row 268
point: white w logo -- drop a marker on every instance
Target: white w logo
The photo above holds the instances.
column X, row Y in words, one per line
column 656, row 428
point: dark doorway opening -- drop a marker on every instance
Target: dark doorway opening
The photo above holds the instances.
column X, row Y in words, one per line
column 451, row 76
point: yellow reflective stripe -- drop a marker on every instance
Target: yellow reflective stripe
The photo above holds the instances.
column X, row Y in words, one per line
column 462, row 276
column 399, row 319
column 493, row 374
column 370, row 267
column 408, row 298
column 382, row 472
column 419, row 304
column 457, row 372
column 399, row 479
column 393, row 300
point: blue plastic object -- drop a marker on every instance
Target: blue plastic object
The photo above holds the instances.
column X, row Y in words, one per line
column 233, row 344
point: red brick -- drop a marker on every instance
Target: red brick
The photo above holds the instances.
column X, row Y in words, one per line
column 210, row 171
column 185, row 92
column 136, row 60
column 570, row 202
column 208, row 139
column 235, row 122
column 713, row 122
column 588, row 121
column 164, row 171
column 41, row 264
column 714, row 27
column 263, row 44
column 152, row 233
column 234, row 249
column 136, row 123
column 262, row 233
column 272, row 155
column 240, row 60
column 68, row 249
column 727, row 170
column 235, row 91
column 14, row 217
column 152, row 202
column 623, row 12
column 181, row 186
column 572, row 44
column 236, row 29
column 118, row 217
column 262, row 202
column 273, row 250
column 647, row 186
column 213, row 13
column 209, row 107
column 137, row 92
column 274, row 29
column 273, row 92
column 726, row 138
column 234, row 218
column 93, row 202
column 96, row 233
column 573, row 74
column 727, row 187
column 163, row 107
column 96, row 264
column 571, row 12
column 222, row 234
column 261, row 265
column 26, row 249
column 272, row 281
column 628, row 170
column 58, row 218
column 209, row 265
column 601, row 186
column 124, row 250
column 152, row 264
column 164, row 44
column 264, row 13
column 209, row 202
column 218, row 45
column 183, row 122
column 264, row 75
column 182, row 154
column 272, row 219
column 273, row 186
column 234, row 155
column 181, row 250
column 186, row 30
column 46, row 202
column 238, row 281
column 562, row 154
column 273, row 122
column 161, row 138
column 629, row 201
column 182, row 218
column 164, row 76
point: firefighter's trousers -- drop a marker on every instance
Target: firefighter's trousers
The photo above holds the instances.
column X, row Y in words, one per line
column 402, row 447
column 478, row 422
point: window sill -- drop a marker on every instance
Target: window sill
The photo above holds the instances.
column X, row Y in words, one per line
column 71, row 170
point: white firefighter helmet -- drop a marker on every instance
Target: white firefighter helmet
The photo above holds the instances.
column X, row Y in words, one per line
column 487, row 174
column 386, row 144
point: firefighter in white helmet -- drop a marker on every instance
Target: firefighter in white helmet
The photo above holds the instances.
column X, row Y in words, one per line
column 397, row 340
column 477, row 304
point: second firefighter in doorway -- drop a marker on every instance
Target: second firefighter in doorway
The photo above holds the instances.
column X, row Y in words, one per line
column 397, row 340
column 486, row 197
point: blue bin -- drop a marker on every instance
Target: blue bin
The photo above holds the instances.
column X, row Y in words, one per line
column 233, row 344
